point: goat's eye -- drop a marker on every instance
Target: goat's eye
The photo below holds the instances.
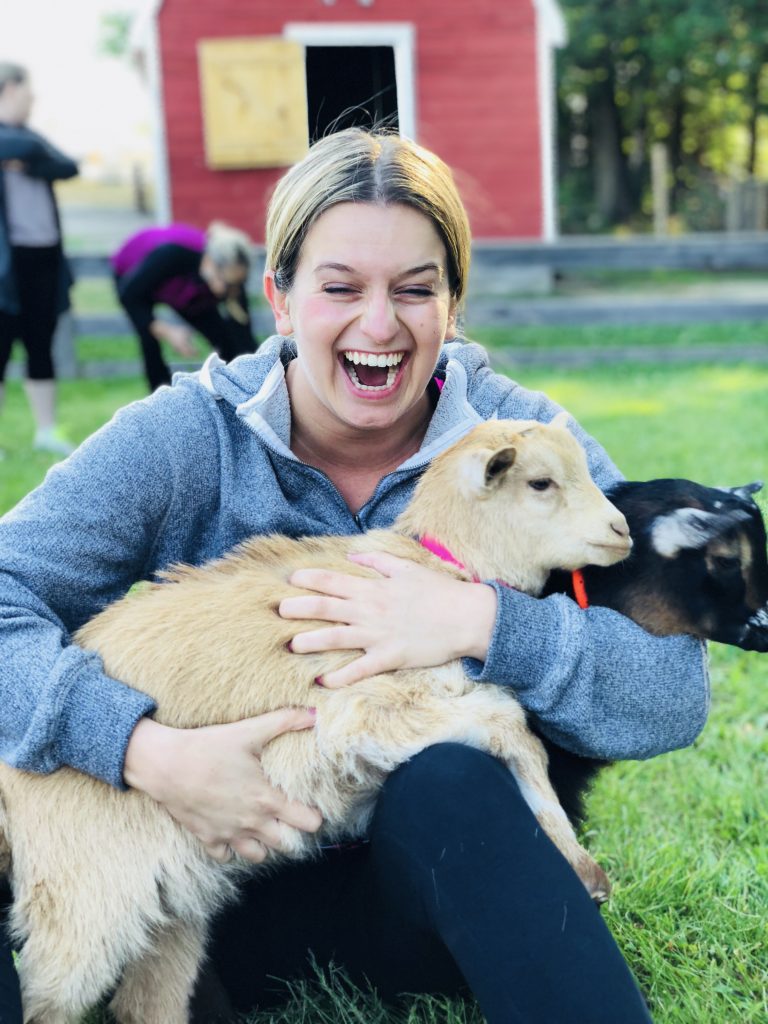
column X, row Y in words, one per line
column 726, row 563
column 543, row 484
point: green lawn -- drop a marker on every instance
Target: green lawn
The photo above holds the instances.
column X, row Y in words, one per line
column 683, row 837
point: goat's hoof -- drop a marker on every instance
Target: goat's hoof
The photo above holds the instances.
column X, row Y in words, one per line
column 594, row 879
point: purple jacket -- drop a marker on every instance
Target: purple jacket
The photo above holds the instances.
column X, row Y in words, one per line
column 178, row 292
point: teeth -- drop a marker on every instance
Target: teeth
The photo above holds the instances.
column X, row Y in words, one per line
column 391, row 374
column 371, row 359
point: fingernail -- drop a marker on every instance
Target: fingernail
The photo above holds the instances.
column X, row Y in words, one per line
column 319, row 681
column 289, row 646
column 312, row 711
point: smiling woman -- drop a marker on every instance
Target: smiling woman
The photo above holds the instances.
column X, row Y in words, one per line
column 327, row 430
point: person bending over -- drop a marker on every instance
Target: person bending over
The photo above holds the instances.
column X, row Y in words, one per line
column 201, row 275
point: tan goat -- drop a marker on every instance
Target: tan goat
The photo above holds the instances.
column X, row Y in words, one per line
column 109, row 888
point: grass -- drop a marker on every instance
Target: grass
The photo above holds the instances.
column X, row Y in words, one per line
column 682, row 836
column 738, row 332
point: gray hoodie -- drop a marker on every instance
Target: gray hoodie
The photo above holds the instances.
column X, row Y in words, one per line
column 184, row 475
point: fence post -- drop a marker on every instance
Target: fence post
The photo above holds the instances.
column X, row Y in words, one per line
column 659, row 185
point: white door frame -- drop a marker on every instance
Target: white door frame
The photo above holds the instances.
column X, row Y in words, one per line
column 401, row 36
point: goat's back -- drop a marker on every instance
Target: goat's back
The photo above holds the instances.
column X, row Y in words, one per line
column 198, row 642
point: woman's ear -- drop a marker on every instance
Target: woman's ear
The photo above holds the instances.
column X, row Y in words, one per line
column 278, row 300
column 450, row 330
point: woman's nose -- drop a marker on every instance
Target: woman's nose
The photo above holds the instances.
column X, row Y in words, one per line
column 379, row 322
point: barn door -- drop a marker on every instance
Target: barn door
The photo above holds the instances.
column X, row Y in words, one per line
column 350, row 85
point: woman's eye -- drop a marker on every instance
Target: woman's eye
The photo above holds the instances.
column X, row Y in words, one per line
column 421, row 293
column 337, row 289
column 542, row 484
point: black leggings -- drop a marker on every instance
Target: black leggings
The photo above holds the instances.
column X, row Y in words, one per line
column 36, row 272
column 459, row 889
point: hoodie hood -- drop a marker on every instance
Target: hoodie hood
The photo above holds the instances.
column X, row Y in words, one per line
column 254, row 386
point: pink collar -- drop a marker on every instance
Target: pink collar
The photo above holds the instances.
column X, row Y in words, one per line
column 434, row 545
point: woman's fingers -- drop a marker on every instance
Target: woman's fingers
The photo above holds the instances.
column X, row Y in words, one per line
column 361, row 668
column 315, row 606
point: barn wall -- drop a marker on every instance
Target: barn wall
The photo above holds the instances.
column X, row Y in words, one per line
column 476, row 103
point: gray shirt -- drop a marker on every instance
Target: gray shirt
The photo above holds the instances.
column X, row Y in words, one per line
column 29, row 210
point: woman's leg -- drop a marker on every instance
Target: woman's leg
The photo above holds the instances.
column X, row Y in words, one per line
column 458, row 885
column 37, row 276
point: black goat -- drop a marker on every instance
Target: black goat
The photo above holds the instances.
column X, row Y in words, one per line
column 698, row 566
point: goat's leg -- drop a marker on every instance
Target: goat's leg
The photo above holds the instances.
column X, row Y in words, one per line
column 58, row 983
column 156, row 988
column 389, row 731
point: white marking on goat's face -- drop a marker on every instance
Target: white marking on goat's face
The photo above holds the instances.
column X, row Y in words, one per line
column 687, row 529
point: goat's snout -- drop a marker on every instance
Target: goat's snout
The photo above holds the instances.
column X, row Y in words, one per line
column 621, row 528
column 755, row 634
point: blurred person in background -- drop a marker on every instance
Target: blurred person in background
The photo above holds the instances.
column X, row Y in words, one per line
column 34, row 276
column 201, row 275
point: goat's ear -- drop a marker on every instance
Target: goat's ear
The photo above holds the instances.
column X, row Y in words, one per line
column 498, row 464
column 687, row 529
column 484, row 469
column 746, row 490
column 561, row 420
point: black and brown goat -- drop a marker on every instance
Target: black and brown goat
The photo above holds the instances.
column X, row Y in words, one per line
column 698, row 566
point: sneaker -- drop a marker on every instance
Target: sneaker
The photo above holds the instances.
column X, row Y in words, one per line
column 51, row 441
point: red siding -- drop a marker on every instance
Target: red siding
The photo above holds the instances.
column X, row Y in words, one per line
column 476, row 103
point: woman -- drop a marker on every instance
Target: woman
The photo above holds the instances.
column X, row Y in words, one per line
column 201, row 275
column 367, row 255
column 34, row 277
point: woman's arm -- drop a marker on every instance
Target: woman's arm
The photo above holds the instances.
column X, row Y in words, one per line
column 136, row 289
column 74, row 544
column 40, row 158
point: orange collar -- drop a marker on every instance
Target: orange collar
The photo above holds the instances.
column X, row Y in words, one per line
column 579, row 588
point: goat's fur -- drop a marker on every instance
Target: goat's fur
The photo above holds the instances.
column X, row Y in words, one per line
column 698, row 566
column 110, row 889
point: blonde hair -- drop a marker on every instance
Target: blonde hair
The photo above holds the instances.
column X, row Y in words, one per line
column 227, row 246
column 363, row 166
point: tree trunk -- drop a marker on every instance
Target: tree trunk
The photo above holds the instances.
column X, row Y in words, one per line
column 613, row 194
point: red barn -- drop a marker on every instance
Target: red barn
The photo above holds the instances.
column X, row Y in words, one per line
column 474, row 82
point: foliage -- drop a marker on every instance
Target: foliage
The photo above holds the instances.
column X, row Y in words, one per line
column 115, row 32
column 690, row 74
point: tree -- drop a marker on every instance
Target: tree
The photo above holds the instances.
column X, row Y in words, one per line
column 691, row 74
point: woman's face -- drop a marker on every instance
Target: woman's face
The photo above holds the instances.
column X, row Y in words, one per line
column 17, row 102
column 222, row 280
column 369, row 309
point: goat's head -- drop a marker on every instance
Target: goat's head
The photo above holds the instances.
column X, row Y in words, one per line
column 514, row 499
column 713, row 575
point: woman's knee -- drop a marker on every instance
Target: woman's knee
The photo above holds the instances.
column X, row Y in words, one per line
column 447, row 787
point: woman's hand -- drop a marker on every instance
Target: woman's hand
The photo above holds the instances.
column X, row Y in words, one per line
column 408, row 617
column 178, row 337
column 211, row 781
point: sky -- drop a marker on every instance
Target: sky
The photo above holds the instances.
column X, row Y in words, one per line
column 93, row 107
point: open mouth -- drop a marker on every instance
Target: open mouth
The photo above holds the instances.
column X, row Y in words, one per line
column 370, row 371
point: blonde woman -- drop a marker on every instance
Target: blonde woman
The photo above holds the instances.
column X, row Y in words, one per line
column 34, row 277
column 201, row 276
column 456, row 889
